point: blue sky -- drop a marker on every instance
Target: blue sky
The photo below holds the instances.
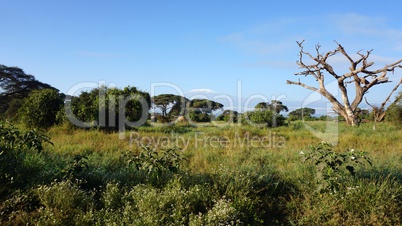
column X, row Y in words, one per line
column 205, row 47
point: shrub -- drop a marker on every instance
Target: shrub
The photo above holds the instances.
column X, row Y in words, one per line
column 162, row 119
column 146, row 205
column 394, row 111
column 155, row 163
column 15, row 146
column 40, row 108
column 196, row 116
column 265, row 118
column 63, row 203
column 222, row 213
column 331, row 167
column 297, row 125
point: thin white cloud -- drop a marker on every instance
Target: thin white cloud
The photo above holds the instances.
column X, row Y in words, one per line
column 365, row 25
column 201, row 91
column 368, row 28
column 254, row 45
column 273, row 44
column 268, row 38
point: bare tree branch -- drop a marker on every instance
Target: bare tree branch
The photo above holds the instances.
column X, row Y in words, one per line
column 302, row 85
column 358, row 73
column 390, row 94
column 379, row 112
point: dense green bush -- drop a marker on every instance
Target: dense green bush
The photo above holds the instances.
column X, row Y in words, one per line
column 104, row 107
column 332, row 167
column 62, row 203
column 197, row 116
column 265, row 118
column 228, row 116
column 15, row 148
column 40, row 108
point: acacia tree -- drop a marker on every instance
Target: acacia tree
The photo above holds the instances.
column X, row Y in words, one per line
column 204, row 105
column 276, row 106
column 301, row 113
column 16, row 85
column 104, row 107
column 167, row 102
column 179, row 108
column 200, row 110
column 262, row 106
column 359, row 74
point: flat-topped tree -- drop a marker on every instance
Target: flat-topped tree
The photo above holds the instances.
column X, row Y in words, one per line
column 275, row 106
column 359, row 74
column 200, row 110
column 15, row 84
column 204, row 105
column 301, row 113
column 167, row 102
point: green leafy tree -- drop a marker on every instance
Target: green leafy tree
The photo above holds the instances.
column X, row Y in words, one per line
column 40, row 108
column 262, row 106
column 84, row 106
column 179, row 107
column 200, row 110
column 204, row 105
column 266, row 118
column 15, row 84
column 301, row 113
column 228, row 116
column 133, row 108
column 167, row 102
column 276, row 106
column 103, row 107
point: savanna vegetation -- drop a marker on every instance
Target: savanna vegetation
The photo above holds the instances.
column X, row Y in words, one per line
column 101, row 158
column 201, row 175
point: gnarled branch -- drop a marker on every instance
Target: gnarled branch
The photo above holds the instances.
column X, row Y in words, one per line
column 359, row 74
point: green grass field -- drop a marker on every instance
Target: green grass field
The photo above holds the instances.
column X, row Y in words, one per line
column 205, row 175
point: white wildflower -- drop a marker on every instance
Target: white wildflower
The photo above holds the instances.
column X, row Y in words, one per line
column 352, row 150
column 301, row 152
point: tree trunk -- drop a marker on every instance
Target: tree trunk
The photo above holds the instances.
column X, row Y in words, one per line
column 359, row 74
column 351, row 120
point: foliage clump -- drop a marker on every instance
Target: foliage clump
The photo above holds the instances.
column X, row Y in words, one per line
column 332, row 167
column 262, row 118
column 15, row 146
column 40, row 109
column 155, row 163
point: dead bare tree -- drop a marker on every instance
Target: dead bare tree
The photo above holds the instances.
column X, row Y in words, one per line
column 379, row 112
column 359, row 74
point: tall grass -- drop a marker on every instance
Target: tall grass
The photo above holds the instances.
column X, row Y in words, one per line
column 232, row 175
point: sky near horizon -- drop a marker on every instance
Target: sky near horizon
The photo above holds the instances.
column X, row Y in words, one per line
column 199, row 47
